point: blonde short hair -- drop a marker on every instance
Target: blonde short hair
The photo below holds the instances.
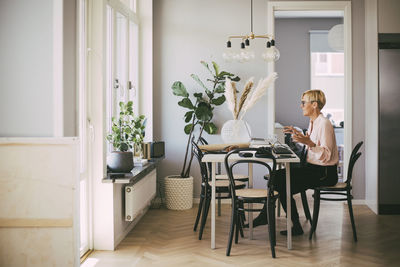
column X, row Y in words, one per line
column 315, row 95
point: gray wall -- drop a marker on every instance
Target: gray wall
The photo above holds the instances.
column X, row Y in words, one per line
column 293, row 41
column 26, row 72
column 186, row 32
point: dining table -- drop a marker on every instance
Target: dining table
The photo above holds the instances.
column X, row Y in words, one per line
column 217, row 158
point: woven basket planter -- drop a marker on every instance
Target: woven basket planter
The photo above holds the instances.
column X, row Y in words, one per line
column 178, row 192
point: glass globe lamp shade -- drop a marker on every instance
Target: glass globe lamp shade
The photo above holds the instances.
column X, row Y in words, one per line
column 228, row 55
column 271, row 53
column 336, row 38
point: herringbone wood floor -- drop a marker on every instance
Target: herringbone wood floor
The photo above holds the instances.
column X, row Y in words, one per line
column 166, row 238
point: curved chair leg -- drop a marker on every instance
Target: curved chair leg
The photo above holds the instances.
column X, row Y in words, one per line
column 237, row 222
column 353, row 225
column 199, row 212
column 305, row 205
column 271, row 226
column 279, row 208
column 232, row 229
column 241, row 218
column 315, row 212
column 204, row 217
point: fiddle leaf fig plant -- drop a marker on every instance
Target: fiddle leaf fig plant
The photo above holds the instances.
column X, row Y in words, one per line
column 126, row 130
column 201, row 105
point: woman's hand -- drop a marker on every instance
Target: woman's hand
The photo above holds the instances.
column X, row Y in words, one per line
column 304, row 139
column 290, row 129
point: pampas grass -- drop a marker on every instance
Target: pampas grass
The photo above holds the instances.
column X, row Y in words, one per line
column 246, row 100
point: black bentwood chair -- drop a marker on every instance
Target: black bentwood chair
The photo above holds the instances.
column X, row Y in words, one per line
column 302, row 155
column 343, row 189
column 240, row 197
column 221, row 188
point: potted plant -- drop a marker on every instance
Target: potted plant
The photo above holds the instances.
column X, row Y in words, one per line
column 125, row 131
column 179, row 188
column 138, row 133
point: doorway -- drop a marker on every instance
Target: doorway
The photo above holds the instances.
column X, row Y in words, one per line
column 340, row 11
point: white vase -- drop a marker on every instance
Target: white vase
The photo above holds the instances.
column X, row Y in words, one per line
column 236, row 131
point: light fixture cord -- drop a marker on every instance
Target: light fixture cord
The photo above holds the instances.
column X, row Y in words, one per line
column 251, row 15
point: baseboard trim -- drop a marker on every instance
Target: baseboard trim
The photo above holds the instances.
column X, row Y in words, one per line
column 357, row 202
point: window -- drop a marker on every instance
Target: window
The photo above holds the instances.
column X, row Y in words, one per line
column 122, row 58
column 327, row 74
column 328, row 64
column 84, row 129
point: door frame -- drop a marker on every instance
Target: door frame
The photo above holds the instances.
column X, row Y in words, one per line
column 344, row 6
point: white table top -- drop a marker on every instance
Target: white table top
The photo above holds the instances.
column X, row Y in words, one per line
column 236, row 157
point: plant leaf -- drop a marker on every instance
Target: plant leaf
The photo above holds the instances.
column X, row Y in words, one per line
column 179, row 89
column 197, row 79
column 188, row 128
column 206, row 65
column 188, row 116
column 220, row 89
column 199, row 96
column 210, row 128
column 186, row 103
column 124, row 147
column 218, row 101
column 236, row 79
column 204, row 112
column 216, row 68
column 225, row 73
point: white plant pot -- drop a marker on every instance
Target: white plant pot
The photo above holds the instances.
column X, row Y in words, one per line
column 178, row 192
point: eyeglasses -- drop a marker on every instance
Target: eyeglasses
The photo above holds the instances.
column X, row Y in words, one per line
column 304, row 102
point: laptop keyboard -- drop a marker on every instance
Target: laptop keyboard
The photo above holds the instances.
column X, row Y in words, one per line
column 281, row 150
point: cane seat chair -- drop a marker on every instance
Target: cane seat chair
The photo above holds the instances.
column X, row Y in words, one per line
column 341, row 189
column 221, row 188
column 240, row 197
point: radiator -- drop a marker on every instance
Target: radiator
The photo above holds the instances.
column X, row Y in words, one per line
column 139, row 195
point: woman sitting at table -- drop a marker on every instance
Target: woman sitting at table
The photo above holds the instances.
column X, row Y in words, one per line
column 321, row 157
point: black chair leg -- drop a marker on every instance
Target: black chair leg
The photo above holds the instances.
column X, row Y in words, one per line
column 315, row 212
column 270, row 214
column 232, row 229
column 353, row 225
column 305, row 205
column 241, row 222
column 198, row 212
column 237, row 221
column 242, row 214
column 204, row 217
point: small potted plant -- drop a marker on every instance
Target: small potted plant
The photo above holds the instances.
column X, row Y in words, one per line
column 179, row 188
column 126, row 130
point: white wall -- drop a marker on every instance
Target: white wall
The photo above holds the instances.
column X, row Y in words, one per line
column 26, row 68
column 186, row 32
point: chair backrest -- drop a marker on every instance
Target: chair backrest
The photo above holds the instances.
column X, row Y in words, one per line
column 203, row 167
column 203, row 141
column 229, row 169
column 353, row 158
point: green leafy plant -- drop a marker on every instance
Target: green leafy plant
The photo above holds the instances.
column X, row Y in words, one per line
column 126, row 130
column 201, row 106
